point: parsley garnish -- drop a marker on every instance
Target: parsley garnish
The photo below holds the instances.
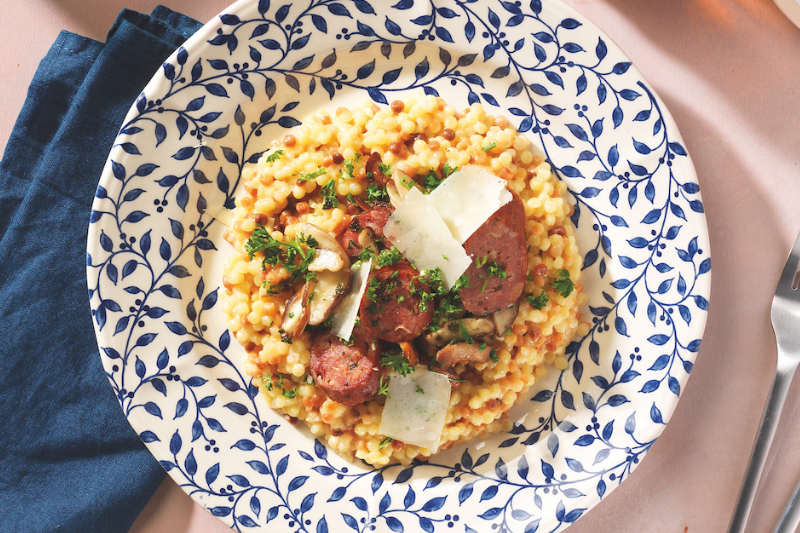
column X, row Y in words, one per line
column 308, row 176
column 448, row 169
column 383, row 385
column 419, row 390
column 389, row 257
column 462, row 329
column 365, row 254
column 267, row 380
column 430, row 181
column 493, row 356
column 294, row 255
column 490, row 146
column 385, row 442
column 396, row 362
column 348, row 167
column 494, row 269
column 563, row 284
column 376, row 192
column 386, row 169
column 329, row 195
column 372, row 288
column 538, row 302
column 274, row 156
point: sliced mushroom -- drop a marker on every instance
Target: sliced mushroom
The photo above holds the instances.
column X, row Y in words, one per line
column 333, row 277
column 463, row 353
column 402, row 183
column 296, row 313
column 450, row 331
column 366, row 240
column 394, row 195
column 410, row 353
column 504, row 318
column 329, row 254
column 373, row 169
column 325, row 259
column 330, row 290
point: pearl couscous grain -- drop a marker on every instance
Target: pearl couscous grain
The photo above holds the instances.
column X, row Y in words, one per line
column 316, row 174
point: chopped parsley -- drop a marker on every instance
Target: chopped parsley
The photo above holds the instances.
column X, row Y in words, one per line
column 462, row 329
column 384, row 168
column 268, row 381
column 329, row 195
column 490, row 146
column 308, row 176
column 494, row 269
column 563, row 284
column 538, row 302
column 294, row 255
column 419, row 390
column 365, row 254
column 449, row 302
column 385, row 442
column 397, row 362
column 493, row 356
column 348, row 167
column 290, row 393
column 389, row 257
column 376, row 192
column 430, row 181
column 274, row 156
column 383, row 385
column 372, row 288
column 448, row 169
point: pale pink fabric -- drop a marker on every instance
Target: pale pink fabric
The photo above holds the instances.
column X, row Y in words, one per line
column 729, row 72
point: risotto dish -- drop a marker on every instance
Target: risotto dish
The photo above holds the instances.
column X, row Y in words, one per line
column 401, row 276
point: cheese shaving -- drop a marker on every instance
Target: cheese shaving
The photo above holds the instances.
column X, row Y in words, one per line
column 344, row 318
column 467, row 198
column 416, row 407
column 419, row 232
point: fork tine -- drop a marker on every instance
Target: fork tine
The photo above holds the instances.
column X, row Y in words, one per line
column 789, row 270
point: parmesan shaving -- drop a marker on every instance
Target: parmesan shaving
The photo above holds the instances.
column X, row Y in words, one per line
column 344, row 318
column 416, row 407
column 467, row 198
column 419, row 232
column 222, row 214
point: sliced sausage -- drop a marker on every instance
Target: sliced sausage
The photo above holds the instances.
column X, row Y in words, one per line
column 390, row 309
column 499, row 242
column 349, row 374
column 373, row 219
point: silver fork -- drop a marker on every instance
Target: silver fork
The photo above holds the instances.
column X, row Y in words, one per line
column 786, row 325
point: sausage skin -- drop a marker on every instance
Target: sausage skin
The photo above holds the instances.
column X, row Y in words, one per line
column 349, row 374
column 374, row 219
column 500, row 239
column 389, row 310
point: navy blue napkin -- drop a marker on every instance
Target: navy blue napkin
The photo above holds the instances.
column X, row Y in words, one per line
column 69, row 460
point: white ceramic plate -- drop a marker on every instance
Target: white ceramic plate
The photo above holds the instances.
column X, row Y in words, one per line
column 155, row 259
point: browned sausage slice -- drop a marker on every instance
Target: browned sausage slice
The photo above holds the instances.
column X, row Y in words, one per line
column 373, row 219
column 389, row 310
column 499, row 255
column 349, row 374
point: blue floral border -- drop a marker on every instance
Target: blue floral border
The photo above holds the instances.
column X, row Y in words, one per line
column 242, row 80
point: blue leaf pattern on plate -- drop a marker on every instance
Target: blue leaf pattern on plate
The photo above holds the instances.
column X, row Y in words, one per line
column 155, row 254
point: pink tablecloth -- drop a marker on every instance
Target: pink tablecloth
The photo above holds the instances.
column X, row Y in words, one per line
column 729, row 71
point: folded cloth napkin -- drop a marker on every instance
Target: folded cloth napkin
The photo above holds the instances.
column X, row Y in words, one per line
column 69, row 460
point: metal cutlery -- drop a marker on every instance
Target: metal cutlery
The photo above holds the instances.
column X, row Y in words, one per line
column 785, row 317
